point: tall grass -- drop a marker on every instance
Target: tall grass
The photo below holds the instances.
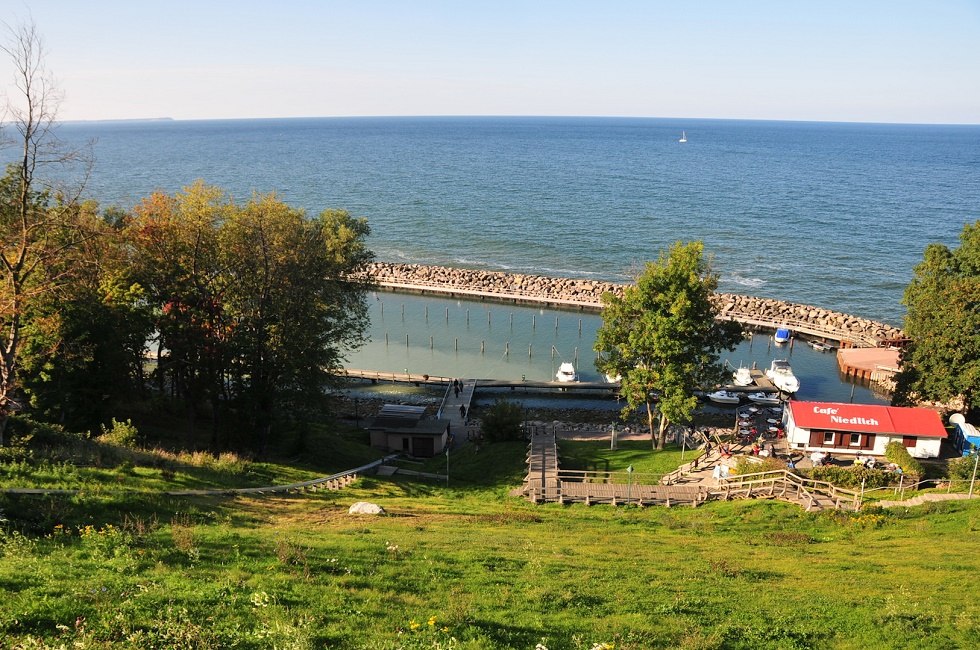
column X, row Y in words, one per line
column 488, row 571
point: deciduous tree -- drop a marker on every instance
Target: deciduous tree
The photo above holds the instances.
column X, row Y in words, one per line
column 942, row 361
column 661, row 337
column 36, row 220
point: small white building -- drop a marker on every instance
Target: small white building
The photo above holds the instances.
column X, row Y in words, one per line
column 862, row 428
column 405, row 428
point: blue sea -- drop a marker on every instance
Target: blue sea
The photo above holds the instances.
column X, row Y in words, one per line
column 830, row 214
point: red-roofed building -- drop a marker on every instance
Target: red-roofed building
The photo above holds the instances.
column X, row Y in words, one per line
column 862, row 428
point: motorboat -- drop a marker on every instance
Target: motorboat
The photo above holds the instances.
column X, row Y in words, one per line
column 742, row 377
column 566, row 373
column 724, row 397
column 782, row 335
column 611, row 379
column 781, row 375
column 820, row 346
column 765, row 399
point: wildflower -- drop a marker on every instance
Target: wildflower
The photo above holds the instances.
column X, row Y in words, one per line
column 413, row 625
column 432, row 621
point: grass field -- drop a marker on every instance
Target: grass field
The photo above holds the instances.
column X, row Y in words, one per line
column 467, row 566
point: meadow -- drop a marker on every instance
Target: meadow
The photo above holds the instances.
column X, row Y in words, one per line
column 470, row 566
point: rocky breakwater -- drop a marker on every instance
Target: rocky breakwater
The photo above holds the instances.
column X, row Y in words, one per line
column 542, row 288
column 836, row 325
column 753, row 311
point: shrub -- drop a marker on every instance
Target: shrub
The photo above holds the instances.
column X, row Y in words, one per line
column 502, row 421
column 756, row 464
column 25, row 431
column 961, row 469
column 898, row 454
column 851, row 477
column 123, row 434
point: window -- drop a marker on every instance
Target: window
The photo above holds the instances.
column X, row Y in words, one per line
column 855, row 440
column 828, row 438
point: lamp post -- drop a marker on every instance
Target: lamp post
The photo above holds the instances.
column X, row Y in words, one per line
column 629, row 485
column 976, row 458
column 612, row 436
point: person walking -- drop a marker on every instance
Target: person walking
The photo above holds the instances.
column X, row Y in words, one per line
column 462, row 411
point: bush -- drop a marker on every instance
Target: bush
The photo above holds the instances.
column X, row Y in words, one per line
column 25, row 431
column 961, row 469
column 502, row 421
column 123, row 434
column 743, row 465
column 897, row 453
column 851, row 477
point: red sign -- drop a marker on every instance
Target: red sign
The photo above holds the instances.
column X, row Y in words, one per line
column 865, row 418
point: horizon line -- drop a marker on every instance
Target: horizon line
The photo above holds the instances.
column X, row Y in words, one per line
column 503, row 116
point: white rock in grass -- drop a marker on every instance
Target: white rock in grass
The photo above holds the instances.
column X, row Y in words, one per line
column 365, row 508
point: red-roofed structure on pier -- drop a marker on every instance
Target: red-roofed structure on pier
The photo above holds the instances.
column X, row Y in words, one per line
column 862, row 428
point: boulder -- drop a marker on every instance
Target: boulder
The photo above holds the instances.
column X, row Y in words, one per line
column 365, row 508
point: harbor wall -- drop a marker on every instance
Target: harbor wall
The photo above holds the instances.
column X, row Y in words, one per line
column 763, row 313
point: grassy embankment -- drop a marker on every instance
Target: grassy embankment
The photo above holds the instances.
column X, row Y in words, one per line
column 466, row 566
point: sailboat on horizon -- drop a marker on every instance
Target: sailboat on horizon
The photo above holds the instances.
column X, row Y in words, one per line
column 683, row 136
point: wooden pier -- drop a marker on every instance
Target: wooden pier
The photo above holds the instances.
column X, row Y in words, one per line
column 380, row 376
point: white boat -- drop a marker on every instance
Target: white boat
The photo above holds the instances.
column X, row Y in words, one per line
column 683, row 136
column 764, row 399
column 742, row 377
column 781, row 375
column 566, row 372
column 820, row 346
column 724, row 397
column 782, row 335
column 613, row 379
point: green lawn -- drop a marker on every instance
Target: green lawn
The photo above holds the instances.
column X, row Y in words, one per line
column 488, row 570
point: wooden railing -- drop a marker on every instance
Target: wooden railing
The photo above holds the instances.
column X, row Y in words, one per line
column 788, row 486
column 806, row 327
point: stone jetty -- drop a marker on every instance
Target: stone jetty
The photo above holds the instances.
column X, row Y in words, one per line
column 762, row 313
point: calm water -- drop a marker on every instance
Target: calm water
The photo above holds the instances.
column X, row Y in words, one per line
column 829, row 214
column 424, row 335
column 834, row 215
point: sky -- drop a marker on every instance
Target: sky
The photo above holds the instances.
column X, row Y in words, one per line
column 828, row 60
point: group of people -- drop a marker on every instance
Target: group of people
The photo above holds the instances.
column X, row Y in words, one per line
column 760, row 448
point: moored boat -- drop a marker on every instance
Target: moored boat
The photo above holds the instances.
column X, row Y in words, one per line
column 742, row 377
column 566, row 373
column 724, row 397
column 782, row 335
column 781, row 375
column 765, row 399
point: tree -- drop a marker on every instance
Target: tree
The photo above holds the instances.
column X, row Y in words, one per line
column 942, row 361
column 662, row 338
column 82, row 354
column 253, row 302
column 292, row 311
column 36, row 226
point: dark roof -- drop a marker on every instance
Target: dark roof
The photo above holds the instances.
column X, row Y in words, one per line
column 402, row 418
